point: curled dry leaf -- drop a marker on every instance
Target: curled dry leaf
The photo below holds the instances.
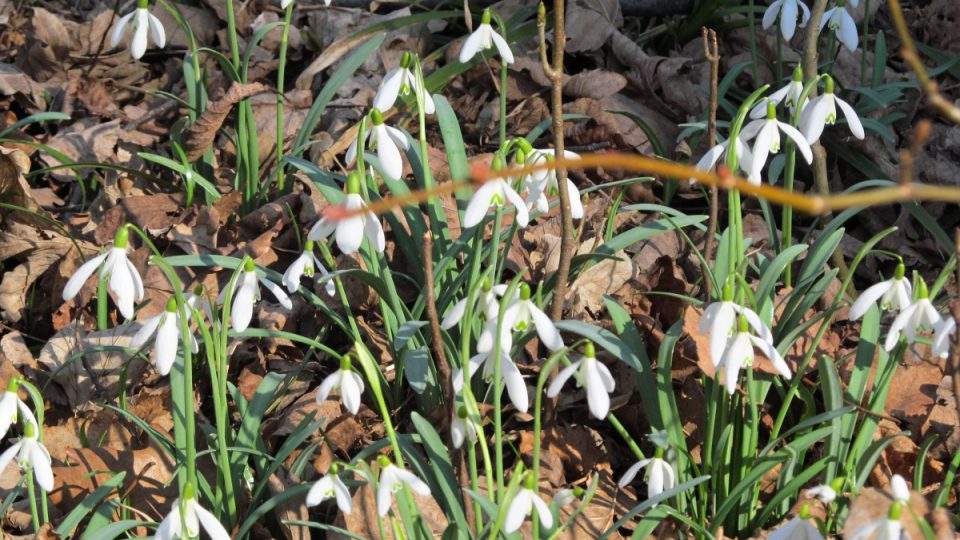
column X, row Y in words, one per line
column 89, row 365
column 201, row 134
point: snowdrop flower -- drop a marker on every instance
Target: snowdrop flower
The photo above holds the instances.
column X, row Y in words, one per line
column 787, row 9
column 790, row 93
column 30, row 453
column 392, row 479
column 887, row 528
column 894, row 294
column 246, row 291
column 592, row 376
column 330, row 486
column 660, row 476
column 388, row 141
column 713, row 155
column 767, row 133
column 494, row 192
column 487, row 300
column 164, row 328
column 520, row 314
column 349, row 383
column 349, row 231
column 185, row 518
column 739, row 353
column 523, row 504
column 842, row 24
column 798, row 528
column 512, row 378
column 567, row 496
column 400, row 81
column 141, row 21
column 719, row 320
column 943, row 336
column 305, row 265
column 10, row 405
column 123, row 280
column 824, row 493
column 919, row 317
column 285, row 3
column 483, row 38
column 463, row 428
column 822, row 111
column 543, row 183
column 899, row 489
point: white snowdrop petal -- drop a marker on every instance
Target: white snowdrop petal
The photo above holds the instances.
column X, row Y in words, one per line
column 80, row 276
column 856, row 127
column 543, row 512
column 210, row 523
column 867, row 298
column 518, row 510
column 502, row 47
column 389, row 90
column 562, row 376
column 157, row 32
column 168, row 335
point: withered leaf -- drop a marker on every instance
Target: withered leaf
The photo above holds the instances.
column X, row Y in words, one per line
column 202, row 133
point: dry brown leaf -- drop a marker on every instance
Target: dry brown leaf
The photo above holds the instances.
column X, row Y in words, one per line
column 86, row 376
column 585, row 296
column 13, row 82
column 597, row 84
column 590, row 23
column 201, row 134
column 872, row 504
column 292, row 509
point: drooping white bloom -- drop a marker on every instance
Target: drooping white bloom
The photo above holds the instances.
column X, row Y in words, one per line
column 660, row 476
column 494, row 192
column 31, row 453
column 713, row 155
column 899, row 489
column 797, row 528
column 787, row 10
column 739, row 353
column 542, row 183
column 285, row 3
column 165, row 329
column 767, row 133
column 123, row 280
column 463, row 428
column 487, row 301
column 330, row 486
column 844, row 27
column 306, row 263
column 894, row 294
column 512, row 378
column 246, row 291
column 881, row 529
column 349, row 383
column 822, row 111
column 388, row 141
column 522, row 505
column 10, row 406
column 349, row 231
column 826, row 494
column 789, row 94
column 520, row 314
column 719, row 320
column 186, row 523
column 483, row 38
column 564, row 497
column 592, row 376
column 917, row 318
column 142, row 21
column 400, row 81
column 392, row 479
column 943, row 336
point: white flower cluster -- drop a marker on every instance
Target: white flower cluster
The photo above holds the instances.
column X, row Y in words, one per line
column 837, row 18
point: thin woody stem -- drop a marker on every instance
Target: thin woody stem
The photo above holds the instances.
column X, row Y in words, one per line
column 711, row 50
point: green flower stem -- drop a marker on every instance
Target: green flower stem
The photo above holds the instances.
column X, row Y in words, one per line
column 189, row 421
column 281, row 72
column 232, row 36
column 625, row 435
column 102, row 305
column 32, row 495
column 474, row 483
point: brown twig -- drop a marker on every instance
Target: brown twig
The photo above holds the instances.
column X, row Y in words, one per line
column 711, row 51
column 443, row 367
column 554, row 71
column 909, row 53
column 809, row 65
column 443, row 370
